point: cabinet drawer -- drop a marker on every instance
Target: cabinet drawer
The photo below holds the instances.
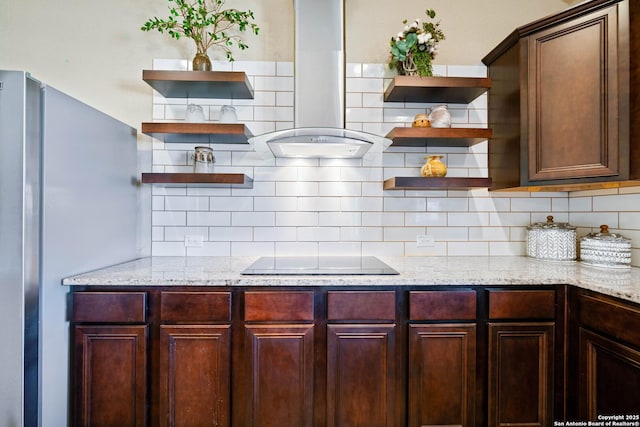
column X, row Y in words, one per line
column 539, row 304
column 109, row 307
column 370, row 306
column 195, row 306
column 442, row 305
column 278, row 306
column 612, row 317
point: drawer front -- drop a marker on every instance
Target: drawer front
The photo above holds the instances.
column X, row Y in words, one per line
column 612, row 317
column 365, row 306
column 109, row 307
column 195, row 306
column 539, row 304
column 279, row 306
column 442, row 305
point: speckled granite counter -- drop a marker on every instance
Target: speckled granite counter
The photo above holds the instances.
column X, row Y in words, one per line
column 225, row 271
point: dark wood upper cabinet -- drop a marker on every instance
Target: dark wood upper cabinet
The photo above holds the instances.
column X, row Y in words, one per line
column 561, row 102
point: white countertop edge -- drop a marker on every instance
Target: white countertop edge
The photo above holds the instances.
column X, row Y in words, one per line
column 414, row 271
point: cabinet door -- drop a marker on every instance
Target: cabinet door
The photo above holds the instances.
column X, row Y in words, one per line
column 521, row 374
column 194, row 375
column 279, row 362
column 442, row 361
column 609, row 378
column 361, row 370
column 575, row 121
column 110, row 375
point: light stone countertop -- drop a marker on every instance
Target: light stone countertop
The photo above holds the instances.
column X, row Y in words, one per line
column 225, row 271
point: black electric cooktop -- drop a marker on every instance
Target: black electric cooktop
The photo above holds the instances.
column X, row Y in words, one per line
column 319, row 265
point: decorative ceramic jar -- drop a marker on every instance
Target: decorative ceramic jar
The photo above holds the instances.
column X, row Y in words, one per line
column 605, row 249
column 551, row 241
column 433, row 167
column 203, row 160
column 421, row 121
column 201, row 62
column 440, row 117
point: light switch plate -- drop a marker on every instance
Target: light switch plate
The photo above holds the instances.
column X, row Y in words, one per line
column 193, row 241
column 425, row 241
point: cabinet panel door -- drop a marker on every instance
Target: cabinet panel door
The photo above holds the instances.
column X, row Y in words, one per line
column 521, row 374
column 361, row 372
column 609, row 378
column 194, row 375
column 279, row 362
column 442, row 361
column 573, row 100
column 110, row 375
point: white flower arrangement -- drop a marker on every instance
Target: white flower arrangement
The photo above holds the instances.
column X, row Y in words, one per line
column 413, row 49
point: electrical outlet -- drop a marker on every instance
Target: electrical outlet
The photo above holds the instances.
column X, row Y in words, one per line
column 425, row 241
column 193, row 241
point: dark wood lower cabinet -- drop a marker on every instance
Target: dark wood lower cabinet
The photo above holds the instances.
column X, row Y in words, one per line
column 110, row 376
column 442, row 361
column 279, row 363
column 606, row 365
column 336, row 357
column 521, row 374
column 195, row 368
column 361, row 372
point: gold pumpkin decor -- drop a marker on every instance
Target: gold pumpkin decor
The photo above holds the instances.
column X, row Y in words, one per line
column 421, row 121
column 433, row 167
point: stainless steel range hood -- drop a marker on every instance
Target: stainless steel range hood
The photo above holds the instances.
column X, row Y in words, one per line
column 319, row 91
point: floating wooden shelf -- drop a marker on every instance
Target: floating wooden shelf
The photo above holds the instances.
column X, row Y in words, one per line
column 199, row 84
column 452, row 90
column 440, row 137
column 202, row 179
column 420, row 183
column 185, row 132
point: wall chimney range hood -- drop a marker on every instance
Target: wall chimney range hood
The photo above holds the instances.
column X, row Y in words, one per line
column 319, row 113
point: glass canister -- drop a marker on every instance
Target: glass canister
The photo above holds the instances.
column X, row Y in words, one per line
column 551, row 241
column 605, row 249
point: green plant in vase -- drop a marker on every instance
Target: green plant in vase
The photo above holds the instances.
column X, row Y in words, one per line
column 414, row 48
column 208, row 24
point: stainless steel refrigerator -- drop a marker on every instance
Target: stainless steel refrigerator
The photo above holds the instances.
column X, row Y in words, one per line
column 68, row 204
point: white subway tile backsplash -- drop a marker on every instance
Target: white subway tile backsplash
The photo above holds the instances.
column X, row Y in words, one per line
column 338, row 206
column 334, row 219
column 253, row 219
column 296, row 248
column 231, row 234
column 278, row 84
column 169, row 218
column 233, row 204
column 293, row 219
column 467, row 248
column 340, row 248
column 272, row 204
column 168, row 249
column 365, row 85
column 208, row 219
column 178, row 234
column 252, row 248
column 275, row 234
column 361, row 234
column 211, row 249
column 382, row 219
column 318, row 234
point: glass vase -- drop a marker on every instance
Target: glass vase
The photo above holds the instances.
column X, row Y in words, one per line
column 201, row 62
